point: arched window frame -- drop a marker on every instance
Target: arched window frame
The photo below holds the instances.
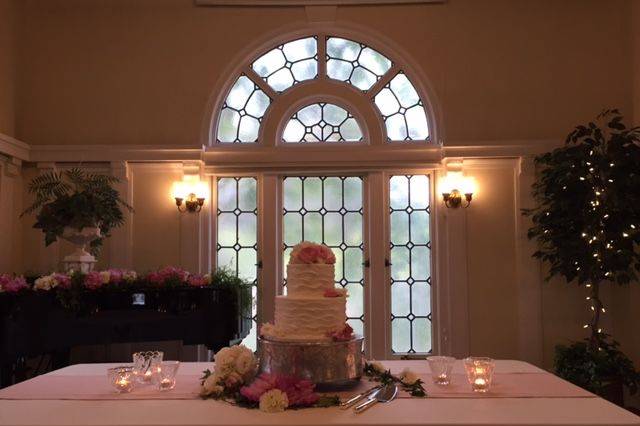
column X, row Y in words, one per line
column 269, row 159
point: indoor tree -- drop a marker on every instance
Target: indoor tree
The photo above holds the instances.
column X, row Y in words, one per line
column 587, row 225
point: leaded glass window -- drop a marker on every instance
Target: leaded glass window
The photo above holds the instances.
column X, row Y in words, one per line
column 322, row 122
column 329, row 210
column 242, row 112
column 402, row 110
column 288, row 64
column 237, row 233
column 355, row 63
column 410, row 248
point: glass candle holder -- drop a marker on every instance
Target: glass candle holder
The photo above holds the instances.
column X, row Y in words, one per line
column 166, row 378
column 146, row 365
column 479, row 372
column 441, row 367
column 121, row 378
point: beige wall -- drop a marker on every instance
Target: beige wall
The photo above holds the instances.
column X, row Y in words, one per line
column 141, row 71
column 7, row 67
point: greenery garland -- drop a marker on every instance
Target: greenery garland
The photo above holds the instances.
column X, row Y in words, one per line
column 384, row 376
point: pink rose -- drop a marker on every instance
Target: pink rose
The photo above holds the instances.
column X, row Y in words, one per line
column 300, row 393
column 197, row 280
column 334, row 292
column 343, row 335
column 115, row 276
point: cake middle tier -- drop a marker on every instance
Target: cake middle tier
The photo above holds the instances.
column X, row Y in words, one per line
column 303, row 318
column 309, row 280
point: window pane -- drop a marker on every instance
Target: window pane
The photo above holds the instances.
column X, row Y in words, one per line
column 402, row 110
column 410, row 248
column 329, row 210
column 243, row 109
column 355, row 63
column 288, row 64
column 236, row 246
column 322, row 122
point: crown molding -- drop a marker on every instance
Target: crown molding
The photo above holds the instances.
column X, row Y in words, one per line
column 12, row 147
column 280, row 3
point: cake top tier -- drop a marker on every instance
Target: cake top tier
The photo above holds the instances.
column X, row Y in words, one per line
column 309, row 253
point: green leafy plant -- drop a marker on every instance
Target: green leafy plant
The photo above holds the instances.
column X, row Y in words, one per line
column 587, row 225
column 77, row 199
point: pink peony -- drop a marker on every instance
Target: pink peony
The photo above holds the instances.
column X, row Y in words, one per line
column 63, row 280
column 300, row 393
column 169, row 272
column 309, row 254
column 12, row 284
column 346, row 333
column 115, row 276
column 93, row 280
column 326, row 254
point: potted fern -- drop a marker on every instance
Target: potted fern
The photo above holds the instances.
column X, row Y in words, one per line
column 78, row 206
column 587, row 225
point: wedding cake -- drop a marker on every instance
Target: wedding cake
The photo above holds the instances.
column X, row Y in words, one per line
column 313, row 310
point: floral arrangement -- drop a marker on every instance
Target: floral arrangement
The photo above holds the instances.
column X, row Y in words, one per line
column 336, row 292
column 308, row 252
column 342, row 335
column 407, row 379
column 235, row 380
column 167, row 277
column 12, row 284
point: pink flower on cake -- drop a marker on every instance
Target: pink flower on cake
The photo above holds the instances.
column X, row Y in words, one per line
column 307, row 252
column 335, row 292
column 342, row 335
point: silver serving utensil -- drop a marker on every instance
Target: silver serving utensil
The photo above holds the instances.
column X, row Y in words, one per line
column 358, row 397
column 386, row 394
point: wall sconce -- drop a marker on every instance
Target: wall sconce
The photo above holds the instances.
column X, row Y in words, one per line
column 454, row 186
column 190, row 194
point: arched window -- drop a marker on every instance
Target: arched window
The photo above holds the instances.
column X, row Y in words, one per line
column 328, row 139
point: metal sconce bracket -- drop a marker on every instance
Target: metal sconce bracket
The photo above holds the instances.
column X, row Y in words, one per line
column 453, row 199
column 192, row 204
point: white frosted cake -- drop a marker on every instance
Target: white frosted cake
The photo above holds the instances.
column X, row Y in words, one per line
column 313, row 309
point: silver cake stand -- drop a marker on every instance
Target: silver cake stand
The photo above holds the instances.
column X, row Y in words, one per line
column 330, row 365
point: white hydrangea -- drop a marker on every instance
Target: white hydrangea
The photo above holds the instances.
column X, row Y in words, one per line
column 408, row 377
column 46, row 282
column 235, row 359
column 274, row 401
column 130, row 276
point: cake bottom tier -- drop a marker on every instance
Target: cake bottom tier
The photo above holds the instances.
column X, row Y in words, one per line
column 309, row 319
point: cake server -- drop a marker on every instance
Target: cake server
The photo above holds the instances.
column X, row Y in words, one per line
column 358, row 397
column 386, row 394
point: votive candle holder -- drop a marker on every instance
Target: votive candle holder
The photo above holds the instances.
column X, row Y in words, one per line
column 479, row 373
column 441, row 367
column 166, row 377
column 146, row 365
column 121, row 378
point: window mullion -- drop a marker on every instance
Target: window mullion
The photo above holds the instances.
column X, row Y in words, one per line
column 270, row 240
column 377, row 295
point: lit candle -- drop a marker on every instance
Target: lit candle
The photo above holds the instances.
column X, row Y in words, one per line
column 167, row 384
column 123, row 384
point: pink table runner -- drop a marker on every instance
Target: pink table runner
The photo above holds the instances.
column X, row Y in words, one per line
column 92, row 387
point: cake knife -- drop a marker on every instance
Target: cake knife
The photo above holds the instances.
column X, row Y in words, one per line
column 358, row 397
column 386, row 394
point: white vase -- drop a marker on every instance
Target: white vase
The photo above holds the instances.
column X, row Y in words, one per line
column 80, row 260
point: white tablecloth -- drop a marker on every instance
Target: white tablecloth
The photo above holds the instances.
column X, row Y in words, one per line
column 488, row 411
